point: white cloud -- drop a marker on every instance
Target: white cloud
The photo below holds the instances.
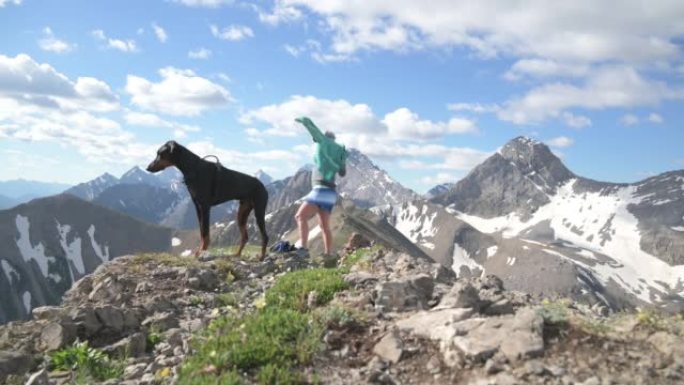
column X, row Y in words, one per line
column 51, row 43
column 28, row 82
column 204, row 3
column 542, row 68
column 251, row 161
column 160, row 33
column 281, row 13
column 439, row 178
column 581, row 31
column 609, row 87
column 575, row 121
column 655, row 118
column 232, row 33
column 200, row 53
column 180, row 93
column 399, row 135
column 118, row 44
column 15, row 2
column 402, row 123
column 560, row 142
column 151, row 120
column 474, row 107
column 629, row 120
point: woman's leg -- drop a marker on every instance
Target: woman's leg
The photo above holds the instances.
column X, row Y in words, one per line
column 305, row 212
column 324, row 218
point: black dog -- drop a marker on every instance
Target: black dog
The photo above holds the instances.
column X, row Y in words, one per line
column 210, row 184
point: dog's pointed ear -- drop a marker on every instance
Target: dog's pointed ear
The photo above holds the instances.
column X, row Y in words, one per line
column 172, row 145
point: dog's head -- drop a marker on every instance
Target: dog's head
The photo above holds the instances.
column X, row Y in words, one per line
column 166, row 156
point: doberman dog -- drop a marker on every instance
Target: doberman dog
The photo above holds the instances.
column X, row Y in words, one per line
column 210, row 184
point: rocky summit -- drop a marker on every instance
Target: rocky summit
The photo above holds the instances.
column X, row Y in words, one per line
column 372, row 315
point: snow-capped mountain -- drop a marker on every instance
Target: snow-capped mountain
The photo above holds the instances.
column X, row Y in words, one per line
column 51, row 242
column 555, row 232
column 91, row 189
column 367, row 185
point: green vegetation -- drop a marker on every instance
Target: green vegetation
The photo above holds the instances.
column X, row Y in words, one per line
column 154, row 336
column 361, row 257
column 554, row 313
column 291, row 290
column 86, row 363
column 273, row 341
column 227, row 299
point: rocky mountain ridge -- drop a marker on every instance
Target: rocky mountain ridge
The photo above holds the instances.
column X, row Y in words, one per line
column 396, row 319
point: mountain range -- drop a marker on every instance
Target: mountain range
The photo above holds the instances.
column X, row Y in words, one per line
column 521, row 215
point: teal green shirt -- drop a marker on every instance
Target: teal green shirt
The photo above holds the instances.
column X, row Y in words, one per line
column 330, row 156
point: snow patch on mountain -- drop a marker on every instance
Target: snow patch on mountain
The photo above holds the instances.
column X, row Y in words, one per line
column 100, row 252
column 26, row 297
column 415, row 224
column 29, row 252
column 72, row 250
column 598, row 222
column 8, row 270
column 461, row 258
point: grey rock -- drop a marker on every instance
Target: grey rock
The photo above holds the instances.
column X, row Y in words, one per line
column 110, row 317
column 390, row 348
column 461, row 295
column 15, row 362
column 359, row 278
column 131, row 346
column 161, row 321
column 48, row 313
column 55, row 336
column 516, row 337
column 134, row 371
column 413, row 292
column 86, row 319
column 174, row 337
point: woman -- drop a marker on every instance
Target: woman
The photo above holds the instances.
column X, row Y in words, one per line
column 329, row 160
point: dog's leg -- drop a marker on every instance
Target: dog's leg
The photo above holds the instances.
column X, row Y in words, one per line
column 260, row 213
column 242, row 215
column 203, row 213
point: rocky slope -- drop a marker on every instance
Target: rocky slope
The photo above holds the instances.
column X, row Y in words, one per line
column 397, row 319
column 545, row 230
column 50, row 243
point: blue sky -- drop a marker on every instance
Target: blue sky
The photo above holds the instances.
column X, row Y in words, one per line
column 428, row 90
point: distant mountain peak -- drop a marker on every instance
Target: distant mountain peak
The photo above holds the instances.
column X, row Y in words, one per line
column 263, row 177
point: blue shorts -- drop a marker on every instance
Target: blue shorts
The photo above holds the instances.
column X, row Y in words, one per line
column 323, row 197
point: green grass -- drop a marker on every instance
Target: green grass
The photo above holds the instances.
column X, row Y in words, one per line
column 291, row 290
column 360, row 256
column 250, row 251
column 86, row 363
column 271, row 343
column 227, row 299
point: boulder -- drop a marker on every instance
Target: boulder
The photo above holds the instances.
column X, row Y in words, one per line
column 15, row 362
column 110, row 317
column 55, row 336
column 410, row 293
column 390, row 348
column 131, row 346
